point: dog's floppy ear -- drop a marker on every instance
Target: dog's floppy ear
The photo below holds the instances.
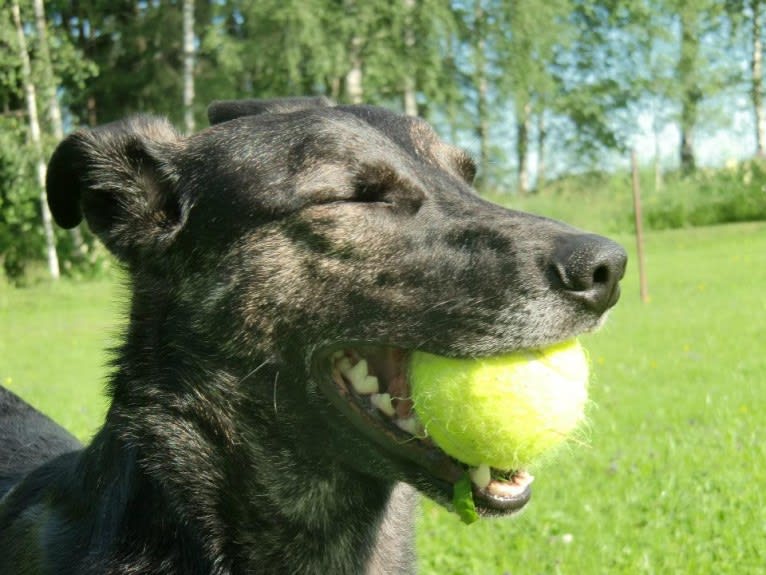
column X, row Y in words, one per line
column 225, row 110
column 121, row 178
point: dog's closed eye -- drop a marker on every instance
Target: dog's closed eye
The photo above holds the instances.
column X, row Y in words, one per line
column 373, row 193
column 380, row 184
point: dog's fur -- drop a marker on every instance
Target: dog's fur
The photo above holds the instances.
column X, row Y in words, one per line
column 255, row 248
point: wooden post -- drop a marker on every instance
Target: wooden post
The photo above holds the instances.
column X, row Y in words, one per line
column 644, row 290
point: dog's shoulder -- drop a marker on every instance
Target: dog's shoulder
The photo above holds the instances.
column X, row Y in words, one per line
column 28, row 439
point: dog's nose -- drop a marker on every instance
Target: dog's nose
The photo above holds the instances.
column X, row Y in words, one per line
column 589, row 268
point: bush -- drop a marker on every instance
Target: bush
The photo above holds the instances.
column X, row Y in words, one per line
column 602, row 202
column 736, row 193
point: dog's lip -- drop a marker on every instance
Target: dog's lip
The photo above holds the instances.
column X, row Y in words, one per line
column 443, row 470
column 495, row 497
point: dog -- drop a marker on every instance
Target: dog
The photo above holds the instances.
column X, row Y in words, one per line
column 286, row 238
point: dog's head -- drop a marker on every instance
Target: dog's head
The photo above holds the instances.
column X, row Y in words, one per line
column 294, row 238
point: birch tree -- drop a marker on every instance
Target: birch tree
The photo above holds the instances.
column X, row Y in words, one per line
column 188, row 39
column 409, row 96
column 49, row 82
column 747, row 21
column 756, row 79
column 30, row 93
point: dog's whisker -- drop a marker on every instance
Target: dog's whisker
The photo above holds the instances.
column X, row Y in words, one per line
column 276, row 379
column 252, row 373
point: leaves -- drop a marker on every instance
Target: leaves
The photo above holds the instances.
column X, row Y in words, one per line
column 567, row 78
column 462, row 500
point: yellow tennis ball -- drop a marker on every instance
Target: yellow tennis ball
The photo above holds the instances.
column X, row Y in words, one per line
column 502, row 411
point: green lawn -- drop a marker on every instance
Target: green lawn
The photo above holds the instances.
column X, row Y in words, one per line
column 53, row 347
column 674, row 478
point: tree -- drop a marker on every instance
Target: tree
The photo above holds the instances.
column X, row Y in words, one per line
column 701, row 72
column 49, row 82
column 409, row 98
column 188, row 39
column 691, row 91
column 34, row 132
column 747, row 16
column 756, row 69
column 531, row 34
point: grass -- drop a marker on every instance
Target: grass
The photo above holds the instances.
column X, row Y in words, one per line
column 53, row 348
column 673, row 479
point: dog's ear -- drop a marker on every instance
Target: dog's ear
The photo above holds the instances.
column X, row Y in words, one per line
column 225, row 110
column 121, row 178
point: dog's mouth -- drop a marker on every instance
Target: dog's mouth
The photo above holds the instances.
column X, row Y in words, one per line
column 370, row 386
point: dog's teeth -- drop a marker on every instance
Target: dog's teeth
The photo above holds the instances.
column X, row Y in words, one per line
column 410, row 425
column 343, row 365
column 383, row 402
column 366, row 386
column 356, row 371
column 360, row 379
column 480, row 475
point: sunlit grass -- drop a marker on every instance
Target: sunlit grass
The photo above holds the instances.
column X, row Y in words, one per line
column 673, row 479
column 53, row 347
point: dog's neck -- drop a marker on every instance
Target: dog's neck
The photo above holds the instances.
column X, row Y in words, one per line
column 194, row 462
column 338, row 523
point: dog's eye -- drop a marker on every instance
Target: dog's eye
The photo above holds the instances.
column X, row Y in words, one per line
column 398, row 198
column 381, row 185
column 372, row 192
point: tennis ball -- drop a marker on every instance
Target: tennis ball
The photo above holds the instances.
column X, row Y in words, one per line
column 504, row 411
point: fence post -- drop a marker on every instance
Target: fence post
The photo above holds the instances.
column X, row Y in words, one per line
column 644, row 290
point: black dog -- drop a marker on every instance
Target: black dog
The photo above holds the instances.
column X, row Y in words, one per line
column 268, row 254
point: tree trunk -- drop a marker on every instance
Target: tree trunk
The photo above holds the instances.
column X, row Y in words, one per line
column 34, row 131
column 482, row 93
column 657, row 129
column 690, row 90
column 54, row 110
column 354, row 87
column 410, row 101
column 188, row 39
column 522, row 144
column 757, row 79
column 541, row 136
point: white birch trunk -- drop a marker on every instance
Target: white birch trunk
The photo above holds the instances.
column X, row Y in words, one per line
column 188, row 40
column 757, row 79
column 522, row 145
column 354, row 86
column 541, row 159
column 54, row 110
column 410, row 100
column 34, row 131
column 482, row 93
column 657, row 128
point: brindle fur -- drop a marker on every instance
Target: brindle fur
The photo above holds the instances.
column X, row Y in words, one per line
column 284, row 229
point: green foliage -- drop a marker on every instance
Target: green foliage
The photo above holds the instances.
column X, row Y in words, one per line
column 564, row 80
column 733, row 194
column 21, row 237
column 603, row 202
